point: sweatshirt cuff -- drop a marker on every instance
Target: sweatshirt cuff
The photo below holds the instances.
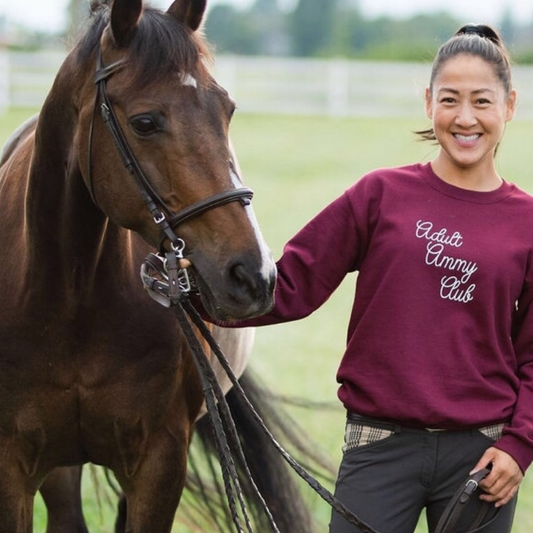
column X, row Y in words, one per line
column 519, row 450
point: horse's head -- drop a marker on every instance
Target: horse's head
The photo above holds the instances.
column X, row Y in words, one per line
column 153, row 83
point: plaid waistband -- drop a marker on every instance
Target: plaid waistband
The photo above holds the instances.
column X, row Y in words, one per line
column 361, row 430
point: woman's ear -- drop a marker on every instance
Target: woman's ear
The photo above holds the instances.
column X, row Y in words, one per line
column 511, row 105
column 429, row 103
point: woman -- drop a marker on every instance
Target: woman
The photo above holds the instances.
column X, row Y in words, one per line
column 437, row 377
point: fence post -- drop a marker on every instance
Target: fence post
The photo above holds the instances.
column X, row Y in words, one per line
column 338, row 88
column 4, row 79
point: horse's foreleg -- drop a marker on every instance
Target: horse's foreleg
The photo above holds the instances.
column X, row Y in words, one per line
column 122, row 513
column 152, row 493
column 16, row 501
column 61, row 492
column 16, row 509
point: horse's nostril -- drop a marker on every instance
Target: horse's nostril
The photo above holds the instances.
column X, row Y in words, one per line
column 242, row 278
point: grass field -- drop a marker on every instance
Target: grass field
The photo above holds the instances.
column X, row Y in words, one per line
column 296, row 165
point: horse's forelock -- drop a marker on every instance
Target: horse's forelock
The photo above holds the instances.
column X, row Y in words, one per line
column 160, row 45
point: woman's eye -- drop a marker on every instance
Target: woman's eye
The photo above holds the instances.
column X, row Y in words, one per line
column 144, row 125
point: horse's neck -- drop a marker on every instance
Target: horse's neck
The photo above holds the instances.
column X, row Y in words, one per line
column 66, row 235
column 61, row 245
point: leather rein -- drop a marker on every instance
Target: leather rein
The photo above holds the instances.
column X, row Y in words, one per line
column 161, row 214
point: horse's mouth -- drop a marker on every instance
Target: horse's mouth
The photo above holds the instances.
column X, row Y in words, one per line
column 228, row 306
column 222, row 300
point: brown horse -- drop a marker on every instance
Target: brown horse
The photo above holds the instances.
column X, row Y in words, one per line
column 91, row 369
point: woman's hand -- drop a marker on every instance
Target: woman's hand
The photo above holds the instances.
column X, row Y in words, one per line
column 501, row 485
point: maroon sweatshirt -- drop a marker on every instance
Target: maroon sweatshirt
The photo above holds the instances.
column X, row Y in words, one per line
column 441, row 330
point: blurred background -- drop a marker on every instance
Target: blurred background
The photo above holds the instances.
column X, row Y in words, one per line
column 326, row 90
column 371, row 29
column 286, row 56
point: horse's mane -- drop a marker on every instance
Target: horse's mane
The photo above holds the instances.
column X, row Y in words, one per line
column 159, row 46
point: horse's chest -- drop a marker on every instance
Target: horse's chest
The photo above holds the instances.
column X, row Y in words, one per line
column 84, row 389
column 73, row 362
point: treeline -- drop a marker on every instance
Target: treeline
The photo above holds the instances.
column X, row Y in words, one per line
column 337, row 28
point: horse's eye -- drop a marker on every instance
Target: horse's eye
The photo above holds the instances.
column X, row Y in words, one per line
column 144, row 125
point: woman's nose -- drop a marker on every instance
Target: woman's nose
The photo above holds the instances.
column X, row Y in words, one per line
column 466, row 116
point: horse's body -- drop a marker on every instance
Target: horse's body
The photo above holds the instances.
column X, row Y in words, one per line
column 91, row 369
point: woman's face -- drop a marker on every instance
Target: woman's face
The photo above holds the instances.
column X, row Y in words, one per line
column 469, row 108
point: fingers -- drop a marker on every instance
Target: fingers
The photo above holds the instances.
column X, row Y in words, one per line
column 501, row 492
column 502, row 484
column 184, row 263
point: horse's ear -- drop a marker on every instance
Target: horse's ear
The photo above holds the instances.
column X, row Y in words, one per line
column 124, row 17
column 190, row 12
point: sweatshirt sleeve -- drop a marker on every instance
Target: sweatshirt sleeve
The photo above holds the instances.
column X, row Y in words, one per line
column 313, row 264
column 517, row 439
column 315, row 261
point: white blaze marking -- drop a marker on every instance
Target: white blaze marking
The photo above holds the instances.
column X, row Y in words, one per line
column 188, row 81
column 266, row 254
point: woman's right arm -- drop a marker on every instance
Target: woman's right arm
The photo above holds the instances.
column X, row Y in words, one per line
column 313, row 264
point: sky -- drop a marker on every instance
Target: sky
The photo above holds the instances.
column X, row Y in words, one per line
column 50, row 14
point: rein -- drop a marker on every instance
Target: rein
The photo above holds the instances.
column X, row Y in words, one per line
column 458, row 503
column 225, row 454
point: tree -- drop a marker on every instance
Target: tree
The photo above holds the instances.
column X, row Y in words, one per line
column 230, row 32
column 78, row 13
column 507, row 25
column 268, row 22
column 312, row 26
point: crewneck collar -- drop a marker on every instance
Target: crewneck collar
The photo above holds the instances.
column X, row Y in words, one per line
column 478, row 197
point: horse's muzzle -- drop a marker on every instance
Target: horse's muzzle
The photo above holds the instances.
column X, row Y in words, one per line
column 244, row 289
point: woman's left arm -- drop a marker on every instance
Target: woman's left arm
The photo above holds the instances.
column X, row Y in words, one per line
column 513, row 453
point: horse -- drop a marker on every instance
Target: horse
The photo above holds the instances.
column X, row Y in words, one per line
column 130, row 153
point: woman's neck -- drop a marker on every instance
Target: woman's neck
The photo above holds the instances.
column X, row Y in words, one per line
column 482, row 178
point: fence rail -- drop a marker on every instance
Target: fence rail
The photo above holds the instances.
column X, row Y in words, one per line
column 275, row 85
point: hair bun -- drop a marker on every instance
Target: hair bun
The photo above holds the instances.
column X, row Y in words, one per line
column 482, row 30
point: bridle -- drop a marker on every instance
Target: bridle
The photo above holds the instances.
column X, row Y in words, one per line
column 161, row 214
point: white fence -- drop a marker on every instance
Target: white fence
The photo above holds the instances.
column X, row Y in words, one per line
column 26, row 77
column 275, row 85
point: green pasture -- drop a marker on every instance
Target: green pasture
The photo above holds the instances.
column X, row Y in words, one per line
column 296, row 165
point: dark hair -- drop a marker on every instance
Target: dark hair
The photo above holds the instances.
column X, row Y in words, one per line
column 477, row 40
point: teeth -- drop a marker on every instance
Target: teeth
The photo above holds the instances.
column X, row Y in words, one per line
column 467, row 138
